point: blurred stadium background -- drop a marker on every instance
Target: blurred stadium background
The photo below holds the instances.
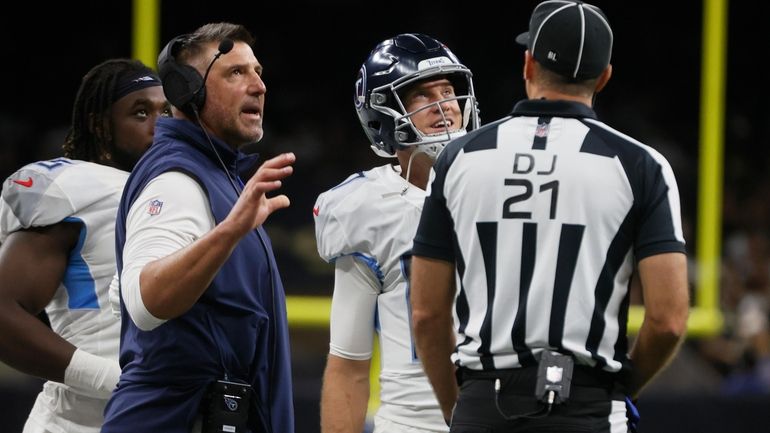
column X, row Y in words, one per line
column 688, row 80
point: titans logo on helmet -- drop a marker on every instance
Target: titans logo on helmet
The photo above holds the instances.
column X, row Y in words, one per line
column 360, row 98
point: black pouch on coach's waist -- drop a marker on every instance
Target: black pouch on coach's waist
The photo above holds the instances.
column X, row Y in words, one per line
column 226, row 407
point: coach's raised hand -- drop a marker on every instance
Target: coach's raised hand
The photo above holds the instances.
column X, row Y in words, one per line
column 253, row 206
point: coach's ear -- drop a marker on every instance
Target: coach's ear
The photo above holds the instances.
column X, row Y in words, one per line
column 603, row 79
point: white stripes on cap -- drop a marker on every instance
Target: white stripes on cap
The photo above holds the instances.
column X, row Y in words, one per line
column 542, row 23
column 589, row 8
column 568, row 4
column 582, row 39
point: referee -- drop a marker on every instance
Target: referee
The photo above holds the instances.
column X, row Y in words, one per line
column 529, row 240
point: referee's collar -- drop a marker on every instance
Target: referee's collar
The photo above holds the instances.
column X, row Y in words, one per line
column 552, row 108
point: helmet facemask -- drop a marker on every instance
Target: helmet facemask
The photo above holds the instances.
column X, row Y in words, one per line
column 388, row 100
column 432, row 144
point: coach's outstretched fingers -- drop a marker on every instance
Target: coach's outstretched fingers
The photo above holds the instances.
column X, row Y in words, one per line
column 253, row 206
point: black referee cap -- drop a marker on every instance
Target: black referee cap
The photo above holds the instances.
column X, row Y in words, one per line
column 571, row 38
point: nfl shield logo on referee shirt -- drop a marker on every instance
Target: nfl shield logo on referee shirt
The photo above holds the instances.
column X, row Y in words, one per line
column 154, row 207
column 542, row 130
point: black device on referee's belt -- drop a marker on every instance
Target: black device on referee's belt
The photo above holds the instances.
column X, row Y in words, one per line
column 554, row 379
column 226, row 407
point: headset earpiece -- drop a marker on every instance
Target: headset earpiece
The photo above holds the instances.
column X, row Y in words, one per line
column 182, row 84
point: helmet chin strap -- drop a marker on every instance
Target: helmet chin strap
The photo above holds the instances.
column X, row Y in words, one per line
column 432, row 150
column 409, row 168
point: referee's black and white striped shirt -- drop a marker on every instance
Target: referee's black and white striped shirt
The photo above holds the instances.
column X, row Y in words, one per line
column 545, row 213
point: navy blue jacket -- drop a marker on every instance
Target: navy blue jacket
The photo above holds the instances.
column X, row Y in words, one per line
column 237, row 328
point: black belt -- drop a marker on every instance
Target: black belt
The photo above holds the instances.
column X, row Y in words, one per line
column 588, row 384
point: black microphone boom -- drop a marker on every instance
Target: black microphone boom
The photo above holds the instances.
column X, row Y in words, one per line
column 224, row 47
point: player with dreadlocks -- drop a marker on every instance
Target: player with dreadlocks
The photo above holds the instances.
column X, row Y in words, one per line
column 94, row 135
column 57, row 221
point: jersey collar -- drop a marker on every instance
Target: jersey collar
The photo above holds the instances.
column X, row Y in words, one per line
column 552, row 108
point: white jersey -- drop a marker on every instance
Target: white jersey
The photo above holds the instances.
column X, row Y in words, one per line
column 46, row 193
column 372, row 217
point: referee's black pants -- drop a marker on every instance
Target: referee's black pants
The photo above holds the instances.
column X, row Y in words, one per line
column 596, row 404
